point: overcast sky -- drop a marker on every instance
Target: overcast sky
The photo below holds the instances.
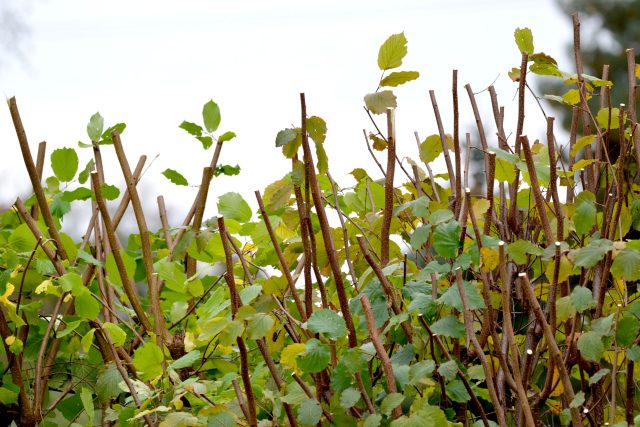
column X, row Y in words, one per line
column 153, row 64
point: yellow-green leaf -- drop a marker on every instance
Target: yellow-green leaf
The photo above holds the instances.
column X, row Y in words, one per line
column 392, row 51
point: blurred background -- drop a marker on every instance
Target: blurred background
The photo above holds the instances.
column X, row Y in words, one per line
column 153, row 64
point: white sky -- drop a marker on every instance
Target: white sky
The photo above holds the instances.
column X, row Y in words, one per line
column 153, row 64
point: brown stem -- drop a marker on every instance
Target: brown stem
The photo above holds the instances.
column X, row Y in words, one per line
column 456, row 142
column 35, row 178
column 236, row 303
column 326, row 229
column 552, row 346
column 513, row 187
column 200, row 203
column 535, row 188
column 145, row 242
column 284, row 268
column 127, row 283
column 468, row 322
column 445, row 148
column 387, row 213
column 386, row 286
column 40, row 158
column 165, row 223
column 382, row 353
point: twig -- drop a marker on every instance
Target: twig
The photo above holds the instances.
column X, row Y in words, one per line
column 387, row 212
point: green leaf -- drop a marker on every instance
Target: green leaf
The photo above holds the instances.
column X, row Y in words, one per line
column 448, row 370
column 603, row 118
column 373, row 420
column 186, row 361
column 323, row 161
column 524, row 40
column 519, row 249
column 118, row 336
column 86, row 306
column 64, row 162
column 94, row 127
column 627, row 331
column 259, row 325
column 110, row 192
column 505, row 171
column 84, row 175
column 593, row 253
column 87, row 402
column 598, row 376
column 392, row 51
column 430, row 148
column 398, row 78
column 585, row 215
column 112, row 269
column 327, row 322
column 211, row 116
column 626, row 265
column 581, row 164
column 452, row 298
column 70, row 327
column 80, row 193
column 9, row 394
column 227, row 136
column 175, row 177
column 87, row 340
column 88, row 258
column 378, row 102
column 206, row 141
column 317, row 129
column 446, row 239
column 349, row 397
column 277, row 195
column 420, row 371
column 457, row 392
column 634, row 353
column 582, row 299
column 581, row 143
column 226, row 170
column 232, row 206
column 315, row 358
column 591, row 346
column 107, row 138
column 390, row 402
column 285, row 136
column 449, row 326
column 578, row 400
column 309, row 413
column 71, row 282
column 192, row 128
column 420, row 236
column 564, row 309
column 107, row 383
column 148, row 360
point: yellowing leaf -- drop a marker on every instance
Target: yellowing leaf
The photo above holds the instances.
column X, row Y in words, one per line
column 392, row 51
column 571, row 97
column 581, row 164
column 289, row 354
column 581, row 143
column 378, row 102
column 638, row 71
column 4, row 298
column 490, row 258
column 399, row 77
column 559, row 389
column 10, row 339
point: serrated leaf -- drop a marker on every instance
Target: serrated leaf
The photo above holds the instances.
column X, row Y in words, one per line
column 317, row 129
column 585, row 215
column 309, row 412
column 571, row 97
column 398, row 78
column 578, row 400
column 581, row 143
column 505, row 171
column 446, row 239
column 107, row 383
column 327, row 322
column 64, row 162
column 591, row 254
column 420, row 236
column 315, row 357
column 232, row 206
column 451, row 297
column 285, row 136
column 524, row 40
column 627, row 331
column 591, row 346
column 226, row 170
column 86, row 306
column 110, row 192
column 259, row 324
column 227, row 136
column 598, row 376
column 457, row 392
column 277, row 195
column 378, row 102
column 603, row 118
column 148, row 360
column 582, row 299
column 626, row 265
column 430, row 148
column 211, row 116
column 186, row 361
column 118, row 336
column 94, row 127
column 87, row 402
column 581, row 164
column 175, row 177
column 323, row 161
column 87, row 340
column 84, row 175
column 192, row 128
column 392, row 51
column 206, row 141
column 349, row 397
column 448, row 370
column 449, row 326
column 390, row 402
